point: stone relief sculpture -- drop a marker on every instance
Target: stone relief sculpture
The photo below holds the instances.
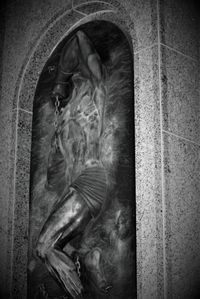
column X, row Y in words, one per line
column 86, row 239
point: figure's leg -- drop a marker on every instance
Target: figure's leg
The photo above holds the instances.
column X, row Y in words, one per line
column 68, row 219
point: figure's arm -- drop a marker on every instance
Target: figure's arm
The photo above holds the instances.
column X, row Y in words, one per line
column 89, row 56
column 68, row 64
column 78, row 55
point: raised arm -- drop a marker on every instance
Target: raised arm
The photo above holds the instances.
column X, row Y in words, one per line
column 78, row 55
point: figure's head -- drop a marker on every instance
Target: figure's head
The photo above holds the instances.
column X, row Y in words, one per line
column 78, row 56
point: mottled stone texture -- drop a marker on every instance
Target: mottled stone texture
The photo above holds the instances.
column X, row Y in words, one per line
column 182, row 190
column 180, row 98
column 39, row 57
column 179, row 84
column 21, row 211
column 4, row 165
column 148, row 175
column 179, row 25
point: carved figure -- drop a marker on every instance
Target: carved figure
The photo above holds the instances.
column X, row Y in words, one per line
column 82, row 170
column 78, row 154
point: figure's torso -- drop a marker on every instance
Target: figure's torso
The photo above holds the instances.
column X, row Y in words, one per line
column 80, row 128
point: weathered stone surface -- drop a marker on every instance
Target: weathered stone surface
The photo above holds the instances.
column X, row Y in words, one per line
column 148, row 175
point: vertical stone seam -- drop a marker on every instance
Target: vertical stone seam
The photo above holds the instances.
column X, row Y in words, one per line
column 162, row 154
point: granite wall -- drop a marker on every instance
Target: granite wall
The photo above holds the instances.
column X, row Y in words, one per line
column 179, row 88
column 163, row 35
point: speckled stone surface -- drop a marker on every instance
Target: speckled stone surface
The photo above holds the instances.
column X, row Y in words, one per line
column 2, row 34
column 180, row 95
column 21, row 213
column 148, row 176
column 182, row 193
column 179, row 25
column 89, row 8
column 25, row 22
column 6, row 184
column 20, row 249
column 35, row 60
column 11, row 203
column 143, row 15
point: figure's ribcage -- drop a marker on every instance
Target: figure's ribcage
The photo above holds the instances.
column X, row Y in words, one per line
column 80, row 129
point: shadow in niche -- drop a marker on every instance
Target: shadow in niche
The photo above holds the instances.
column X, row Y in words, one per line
column 104, row 249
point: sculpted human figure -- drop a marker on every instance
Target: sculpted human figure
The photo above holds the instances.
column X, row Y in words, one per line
column 76, row 158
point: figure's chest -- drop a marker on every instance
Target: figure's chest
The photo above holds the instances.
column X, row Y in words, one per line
column 83, row 116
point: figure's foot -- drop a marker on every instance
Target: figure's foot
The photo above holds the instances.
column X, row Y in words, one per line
column 61, row 267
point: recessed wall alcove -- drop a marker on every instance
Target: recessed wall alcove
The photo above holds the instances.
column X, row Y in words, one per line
column 49, row 45
column 49, row 40
column 106, row 247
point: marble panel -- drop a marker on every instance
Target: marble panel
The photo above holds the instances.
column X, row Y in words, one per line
column 21, row 205
column 180, row 95
column 26, row 21
column 179, row 25
column 38, row 59
column 182, row 208
column 148, row 176
column 6, row 188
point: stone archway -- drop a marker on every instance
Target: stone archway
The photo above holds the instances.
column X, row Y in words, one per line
column 49, row 39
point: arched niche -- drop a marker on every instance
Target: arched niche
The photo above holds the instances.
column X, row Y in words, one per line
column 55, row 30
column 112, row 232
